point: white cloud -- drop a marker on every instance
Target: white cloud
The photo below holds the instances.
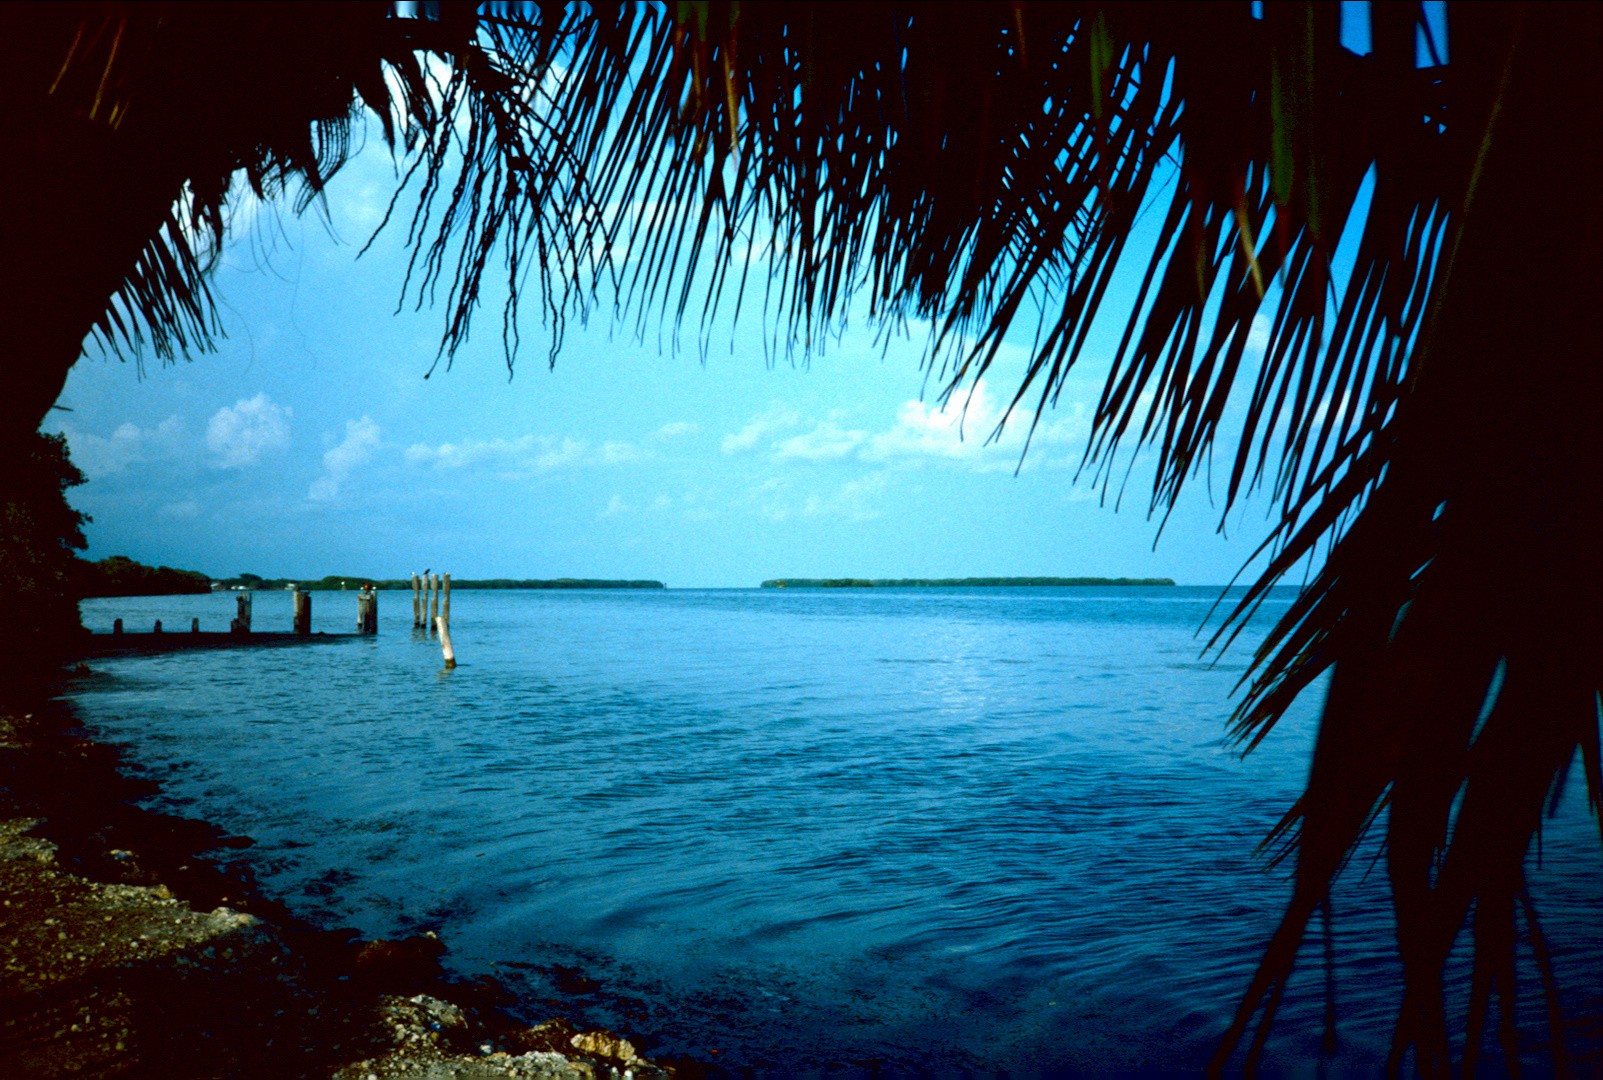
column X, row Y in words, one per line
column 677, row 429
column 616, row 507
column 188, row 508
column 128, row 445
column 826, row 442
column 960, row 433
column 956, row 430
column 241, row 434
column 760, row 427
column 361, row 436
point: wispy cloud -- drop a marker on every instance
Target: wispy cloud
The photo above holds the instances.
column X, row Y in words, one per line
column 620, row 453
column 957, row 434
column 855, row 500
column 779, row 418
column 240, row 434
column 617, row 507
column 769, row 498
column 526, row 455
column 361, row 436
column 130, row 444
column 826, row 442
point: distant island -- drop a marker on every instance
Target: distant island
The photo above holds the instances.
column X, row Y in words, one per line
column 122, row 576
column 336, row 582
column 908, row 583
column 529, row 583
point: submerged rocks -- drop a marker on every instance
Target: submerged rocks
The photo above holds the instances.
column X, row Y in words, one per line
column 411, row 960
column 425, row 1029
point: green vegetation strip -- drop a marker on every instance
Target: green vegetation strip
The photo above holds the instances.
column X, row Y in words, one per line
column 121, row 576
column 336, row 582
column 909, row 583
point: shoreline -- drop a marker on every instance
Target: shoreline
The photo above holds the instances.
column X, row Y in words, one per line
column 131, row 946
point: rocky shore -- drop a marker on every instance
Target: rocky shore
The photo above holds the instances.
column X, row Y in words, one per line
column 130, row 948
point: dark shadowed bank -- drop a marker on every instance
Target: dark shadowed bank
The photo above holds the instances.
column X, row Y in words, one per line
column 132, row 946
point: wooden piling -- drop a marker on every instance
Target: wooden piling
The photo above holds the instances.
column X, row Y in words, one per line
column 194, row 626
column 158, row 627
column 241, row 623
column 116, row 626
column 367, row 611
column 417, row 603
column 447, row 599
column 445, row 641
column 302, row 602
column 436, row 599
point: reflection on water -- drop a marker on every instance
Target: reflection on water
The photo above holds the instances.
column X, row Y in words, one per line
column 930, row 829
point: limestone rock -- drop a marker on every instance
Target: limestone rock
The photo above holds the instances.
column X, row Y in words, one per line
column 603, row 1044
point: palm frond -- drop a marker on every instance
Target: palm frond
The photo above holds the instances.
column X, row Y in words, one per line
column 980, row 165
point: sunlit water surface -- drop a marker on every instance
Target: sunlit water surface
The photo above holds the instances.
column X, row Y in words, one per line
column 924, row 830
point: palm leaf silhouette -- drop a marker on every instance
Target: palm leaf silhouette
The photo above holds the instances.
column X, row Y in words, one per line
column 1423, row 417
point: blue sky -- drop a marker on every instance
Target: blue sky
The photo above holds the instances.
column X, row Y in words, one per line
column 311, row 443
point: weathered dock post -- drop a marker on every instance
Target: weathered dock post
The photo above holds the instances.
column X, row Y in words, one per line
column 158, row 627
column 194, row 625
column 367, row 610
column 116, row 626
column 436, row 599
column 447, row 599
column 241, row 623
column 302, row 602
column 445, row 641
column 417, row 602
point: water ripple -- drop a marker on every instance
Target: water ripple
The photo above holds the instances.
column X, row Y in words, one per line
column 917, row 830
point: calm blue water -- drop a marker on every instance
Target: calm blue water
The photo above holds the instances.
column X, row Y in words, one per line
column 917, row 829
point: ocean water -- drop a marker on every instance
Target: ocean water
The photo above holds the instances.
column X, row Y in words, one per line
column 922, row 830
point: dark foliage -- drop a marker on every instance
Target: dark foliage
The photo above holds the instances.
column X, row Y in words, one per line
column 121, row 576
column 39, row 537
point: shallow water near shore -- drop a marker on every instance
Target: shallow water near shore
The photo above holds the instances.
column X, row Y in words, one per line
column 905, row 829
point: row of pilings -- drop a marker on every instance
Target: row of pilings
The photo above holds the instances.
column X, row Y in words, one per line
column 439, row 585
column 301, row 600
column 440, row 621
column 427, row 589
